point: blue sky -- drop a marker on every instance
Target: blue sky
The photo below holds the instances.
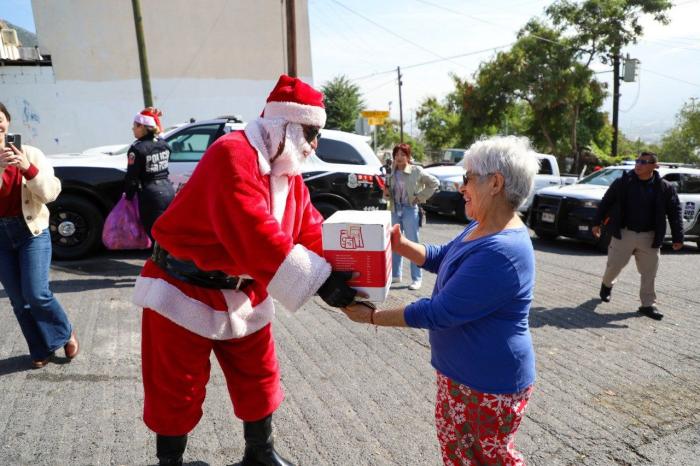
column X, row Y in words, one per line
column 366, row 40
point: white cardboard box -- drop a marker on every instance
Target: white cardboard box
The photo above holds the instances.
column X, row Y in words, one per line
column 359, row 241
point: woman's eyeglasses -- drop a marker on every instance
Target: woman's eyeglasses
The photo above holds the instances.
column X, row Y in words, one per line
column 311, row 133
column 466, row 176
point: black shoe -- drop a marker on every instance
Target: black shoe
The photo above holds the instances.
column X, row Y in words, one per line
column 259, row 448
column 651, row 311
column 605, row 292
column 169, row 449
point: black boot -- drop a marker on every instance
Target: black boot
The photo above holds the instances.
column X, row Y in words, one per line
column 651, row 311
column 605, row 292
column 259, row 449
column 169, row 449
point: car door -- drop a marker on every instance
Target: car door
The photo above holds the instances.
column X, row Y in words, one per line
column 187, row 147
column 689, row 196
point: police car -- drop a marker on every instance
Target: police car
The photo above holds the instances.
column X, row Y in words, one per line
column 568, row 210
column 343, row 174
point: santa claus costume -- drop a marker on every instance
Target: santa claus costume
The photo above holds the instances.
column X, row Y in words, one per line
column 239, row 234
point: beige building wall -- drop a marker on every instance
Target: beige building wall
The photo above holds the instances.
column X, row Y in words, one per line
column 94, row 40
column 206, row 58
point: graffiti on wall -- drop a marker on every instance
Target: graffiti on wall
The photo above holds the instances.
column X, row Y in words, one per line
column 30, row 118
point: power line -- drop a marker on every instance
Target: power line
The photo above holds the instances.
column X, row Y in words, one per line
column 389, row 31
column 415, row 65
column 670, row 77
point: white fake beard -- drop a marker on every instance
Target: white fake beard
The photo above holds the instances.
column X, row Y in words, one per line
column 295, row 151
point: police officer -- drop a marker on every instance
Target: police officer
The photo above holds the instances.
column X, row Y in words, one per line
column 147, row 171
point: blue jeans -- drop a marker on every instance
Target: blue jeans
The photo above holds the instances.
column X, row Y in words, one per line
column 24, row 273
column 407, row 217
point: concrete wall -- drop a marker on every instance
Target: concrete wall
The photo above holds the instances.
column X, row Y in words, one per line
column 206, row 58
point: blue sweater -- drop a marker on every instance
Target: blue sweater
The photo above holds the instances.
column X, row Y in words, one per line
column 478, row 313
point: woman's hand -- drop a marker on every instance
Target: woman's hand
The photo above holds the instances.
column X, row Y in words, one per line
column 397, row 239
column 360, row 312
column 13, row 157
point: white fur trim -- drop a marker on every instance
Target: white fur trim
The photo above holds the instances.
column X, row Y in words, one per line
column 297, row 113
column 253, row 132
column 299, row 277
column 145, row 120
column 279, row 185
column 169, row 301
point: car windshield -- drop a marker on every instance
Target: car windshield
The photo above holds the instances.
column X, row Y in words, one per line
column 603, row 177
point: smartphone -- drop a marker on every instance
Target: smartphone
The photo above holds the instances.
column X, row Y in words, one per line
column 14, row 139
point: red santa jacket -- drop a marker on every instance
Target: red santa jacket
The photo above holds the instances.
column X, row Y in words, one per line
column 227, row 217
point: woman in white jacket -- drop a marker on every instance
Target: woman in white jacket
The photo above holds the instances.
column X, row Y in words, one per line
column 407, row 187
column 27, row 184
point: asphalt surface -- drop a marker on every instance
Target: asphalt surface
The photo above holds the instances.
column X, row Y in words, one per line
column 613, row 387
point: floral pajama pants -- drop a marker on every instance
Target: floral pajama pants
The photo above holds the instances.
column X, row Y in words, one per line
column 476, row 428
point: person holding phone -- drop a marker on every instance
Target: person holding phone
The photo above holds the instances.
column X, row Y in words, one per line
column 407, row 186
column 27, row 184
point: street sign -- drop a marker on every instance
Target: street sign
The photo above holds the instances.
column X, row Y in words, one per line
column 375, row 114
column 375, row 121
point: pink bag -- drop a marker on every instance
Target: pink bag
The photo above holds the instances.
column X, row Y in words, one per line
column 123, row 229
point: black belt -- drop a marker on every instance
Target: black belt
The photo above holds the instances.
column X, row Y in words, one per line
column 188, row 272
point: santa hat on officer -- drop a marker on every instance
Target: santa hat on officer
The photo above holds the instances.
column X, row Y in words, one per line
column 150, row 117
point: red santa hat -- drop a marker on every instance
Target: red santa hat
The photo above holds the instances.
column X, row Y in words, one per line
column 148, row 117
column 295, row 101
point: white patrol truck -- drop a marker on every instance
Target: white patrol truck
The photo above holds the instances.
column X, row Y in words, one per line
column 448, row 200
column 568, row 210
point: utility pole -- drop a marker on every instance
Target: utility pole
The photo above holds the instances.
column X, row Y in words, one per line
column 398, row 71
column 616, row 98
column 291, row 39
column 143, row 58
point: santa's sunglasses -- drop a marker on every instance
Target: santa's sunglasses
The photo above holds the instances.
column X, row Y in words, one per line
column 311, row 133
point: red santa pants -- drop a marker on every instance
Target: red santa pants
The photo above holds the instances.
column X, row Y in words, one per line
column 175, row 365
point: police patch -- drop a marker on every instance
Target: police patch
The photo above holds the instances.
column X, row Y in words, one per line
column 132, row 158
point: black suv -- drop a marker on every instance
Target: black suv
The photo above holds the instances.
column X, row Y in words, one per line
column 343, row 174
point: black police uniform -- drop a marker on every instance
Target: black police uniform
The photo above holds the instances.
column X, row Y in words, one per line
column 147, row 174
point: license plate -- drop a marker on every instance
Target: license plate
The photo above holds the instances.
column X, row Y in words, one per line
column 582, row 228
column 547, row 217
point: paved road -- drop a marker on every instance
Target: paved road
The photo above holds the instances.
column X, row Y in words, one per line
column 613, row 387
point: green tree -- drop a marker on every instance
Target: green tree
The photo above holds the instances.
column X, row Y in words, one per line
column 682, row 142
column 343, row 102
column 601, row 28
column 438, row 123
column 541, row 71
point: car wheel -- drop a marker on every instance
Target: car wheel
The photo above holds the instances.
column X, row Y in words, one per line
column 76, row 227
column 326, row 208
column 546, row 235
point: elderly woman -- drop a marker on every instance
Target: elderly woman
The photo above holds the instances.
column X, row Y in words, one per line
column 407, row 186
column 477, row 316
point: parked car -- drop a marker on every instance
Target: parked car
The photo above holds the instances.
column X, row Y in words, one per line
column 448, row 200
column 568, row 210
column 343, row 174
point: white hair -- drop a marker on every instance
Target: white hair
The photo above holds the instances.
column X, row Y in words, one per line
column 512, row 157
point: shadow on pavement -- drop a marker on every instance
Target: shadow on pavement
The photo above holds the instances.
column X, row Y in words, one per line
column 72, row 286
column 106, row 263
column 579, row 317
column 15, row 364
